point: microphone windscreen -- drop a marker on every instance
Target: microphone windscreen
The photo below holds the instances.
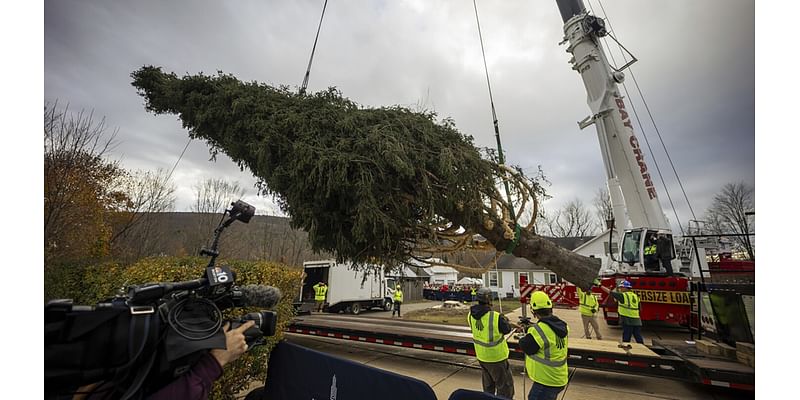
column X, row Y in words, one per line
column 260, row 295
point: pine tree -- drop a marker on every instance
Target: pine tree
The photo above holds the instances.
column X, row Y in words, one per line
column 371, row 185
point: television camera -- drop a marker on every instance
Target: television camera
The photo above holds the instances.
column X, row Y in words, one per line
column 148, row 335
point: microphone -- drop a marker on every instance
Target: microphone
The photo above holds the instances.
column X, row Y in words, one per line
column 260, row 295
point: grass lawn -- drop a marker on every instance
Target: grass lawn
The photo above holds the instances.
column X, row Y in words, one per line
column 455, row 316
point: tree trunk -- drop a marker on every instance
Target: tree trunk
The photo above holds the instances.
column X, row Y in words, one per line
column 577, row 269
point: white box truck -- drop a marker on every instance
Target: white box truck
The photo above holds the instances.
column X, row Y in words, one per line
column 349, row 291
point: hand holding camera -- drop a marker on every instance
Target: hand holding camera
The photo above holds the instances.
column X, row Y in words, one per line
column 235, row 343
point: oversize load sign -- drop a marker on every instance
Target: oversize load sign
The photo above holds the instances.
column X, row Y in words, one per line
column 662, row 296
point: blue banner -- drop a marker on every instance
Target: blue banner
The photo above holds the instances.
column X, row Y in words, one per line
column 296, row 372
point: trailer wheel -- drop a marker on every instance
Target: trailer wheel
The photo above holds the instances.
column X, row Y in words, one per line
column 387, row 305
column 355, row 308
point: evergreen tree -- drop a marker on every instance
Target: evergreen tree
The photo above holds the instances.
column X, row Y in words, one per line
column 371, row 185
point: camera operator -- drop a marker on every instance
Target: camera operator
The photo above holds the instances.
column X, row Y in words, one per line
column 196, row 383
column 158, row 340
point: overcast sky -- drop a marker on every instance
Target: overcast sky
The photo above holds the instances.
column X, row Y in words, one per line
column 695, row 70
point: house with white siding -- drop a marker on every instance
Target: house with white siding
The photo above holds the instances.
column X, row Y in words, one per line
column 598, row 247
column 438, row 274
column 441, row 275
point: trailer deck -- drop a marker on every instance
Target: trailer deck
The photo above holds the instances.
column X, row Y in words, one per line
column 671, row 359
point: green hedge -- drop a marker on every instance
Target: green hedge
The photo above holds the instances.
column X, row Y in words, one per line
column 91, row 284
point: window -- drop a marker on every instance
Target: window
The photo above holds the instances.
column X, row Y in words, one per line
column 493, row 279
column 553, row 279
column 523, row 274
column 630, row 246
column 614, row 247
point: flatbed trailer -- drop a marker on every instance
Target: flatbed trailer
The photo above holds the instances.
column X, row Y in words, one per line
column 671, row 359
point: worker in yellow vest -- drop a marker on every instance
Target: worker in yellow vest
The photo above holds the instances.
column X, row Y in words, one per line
column 398, row 301
column 588, row 308
column 545, row 346
column 489, row 328
column 320, row 291
column 628, row 308
column 650, row 257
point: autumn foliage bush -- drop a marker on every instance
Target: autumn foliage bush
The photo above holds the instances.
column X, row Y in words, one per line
column 93, row 283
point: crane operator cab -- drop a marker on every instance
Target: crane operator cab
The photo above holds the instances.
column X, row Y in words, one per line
column 647, row 250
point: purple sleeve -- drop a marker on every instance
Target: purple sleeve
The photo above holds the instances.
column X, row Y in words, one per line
column 195, row 384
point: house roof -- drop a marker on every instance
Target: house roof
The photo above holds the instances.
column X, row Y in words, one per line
column 509, row 262
column 570, row 243
column 603, row 235
column 440, row 269
column 409, row 272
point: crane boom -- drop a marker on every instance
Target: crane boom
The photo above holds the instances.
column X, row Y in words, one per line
column 633, row 195
column 623, row 157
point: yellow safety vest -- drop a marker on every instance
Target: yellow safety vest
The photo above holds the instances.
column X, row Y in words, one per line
column 549, row 365
column 490, row 344
column 588, row 301
column 630, row 306
column 650, row 250
column 320, row 292
column 398, row 295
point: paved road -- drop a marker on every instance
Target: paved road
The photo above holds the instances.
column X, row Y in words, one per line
column 447, row 372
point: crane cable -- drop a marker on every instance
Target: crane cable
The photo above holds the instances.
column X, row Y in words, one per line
column 302, row 88
column 501, row 158
column 313, row 49
column 658, row 132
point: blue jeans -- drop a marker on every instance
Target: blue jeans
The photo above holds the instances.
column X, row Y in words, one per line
column 627, row 330
column 541, row 392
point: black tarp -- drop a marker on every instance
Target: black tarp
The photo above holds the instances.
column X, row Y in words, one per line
column 296, row 372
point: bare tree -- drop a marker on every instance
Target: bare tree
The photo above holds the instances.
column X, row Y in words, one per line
column 212, row 197
column 732, row 212
column 78, row 185
column 136, row 233
column 603, row 209
column 573, row 219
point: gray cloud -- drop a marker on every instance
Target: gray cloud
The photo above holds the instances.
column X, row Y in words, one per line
column 696, row 71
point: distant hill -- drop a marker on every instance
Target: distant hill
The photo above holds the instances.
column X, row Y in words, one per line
column 185, row 233
column 263, row 238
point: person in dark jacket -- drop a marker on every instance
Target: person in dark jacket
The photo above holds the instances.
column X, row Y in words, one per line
column 489, row 328
column 664, row 253
column 545, row 346
column 196, row 384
